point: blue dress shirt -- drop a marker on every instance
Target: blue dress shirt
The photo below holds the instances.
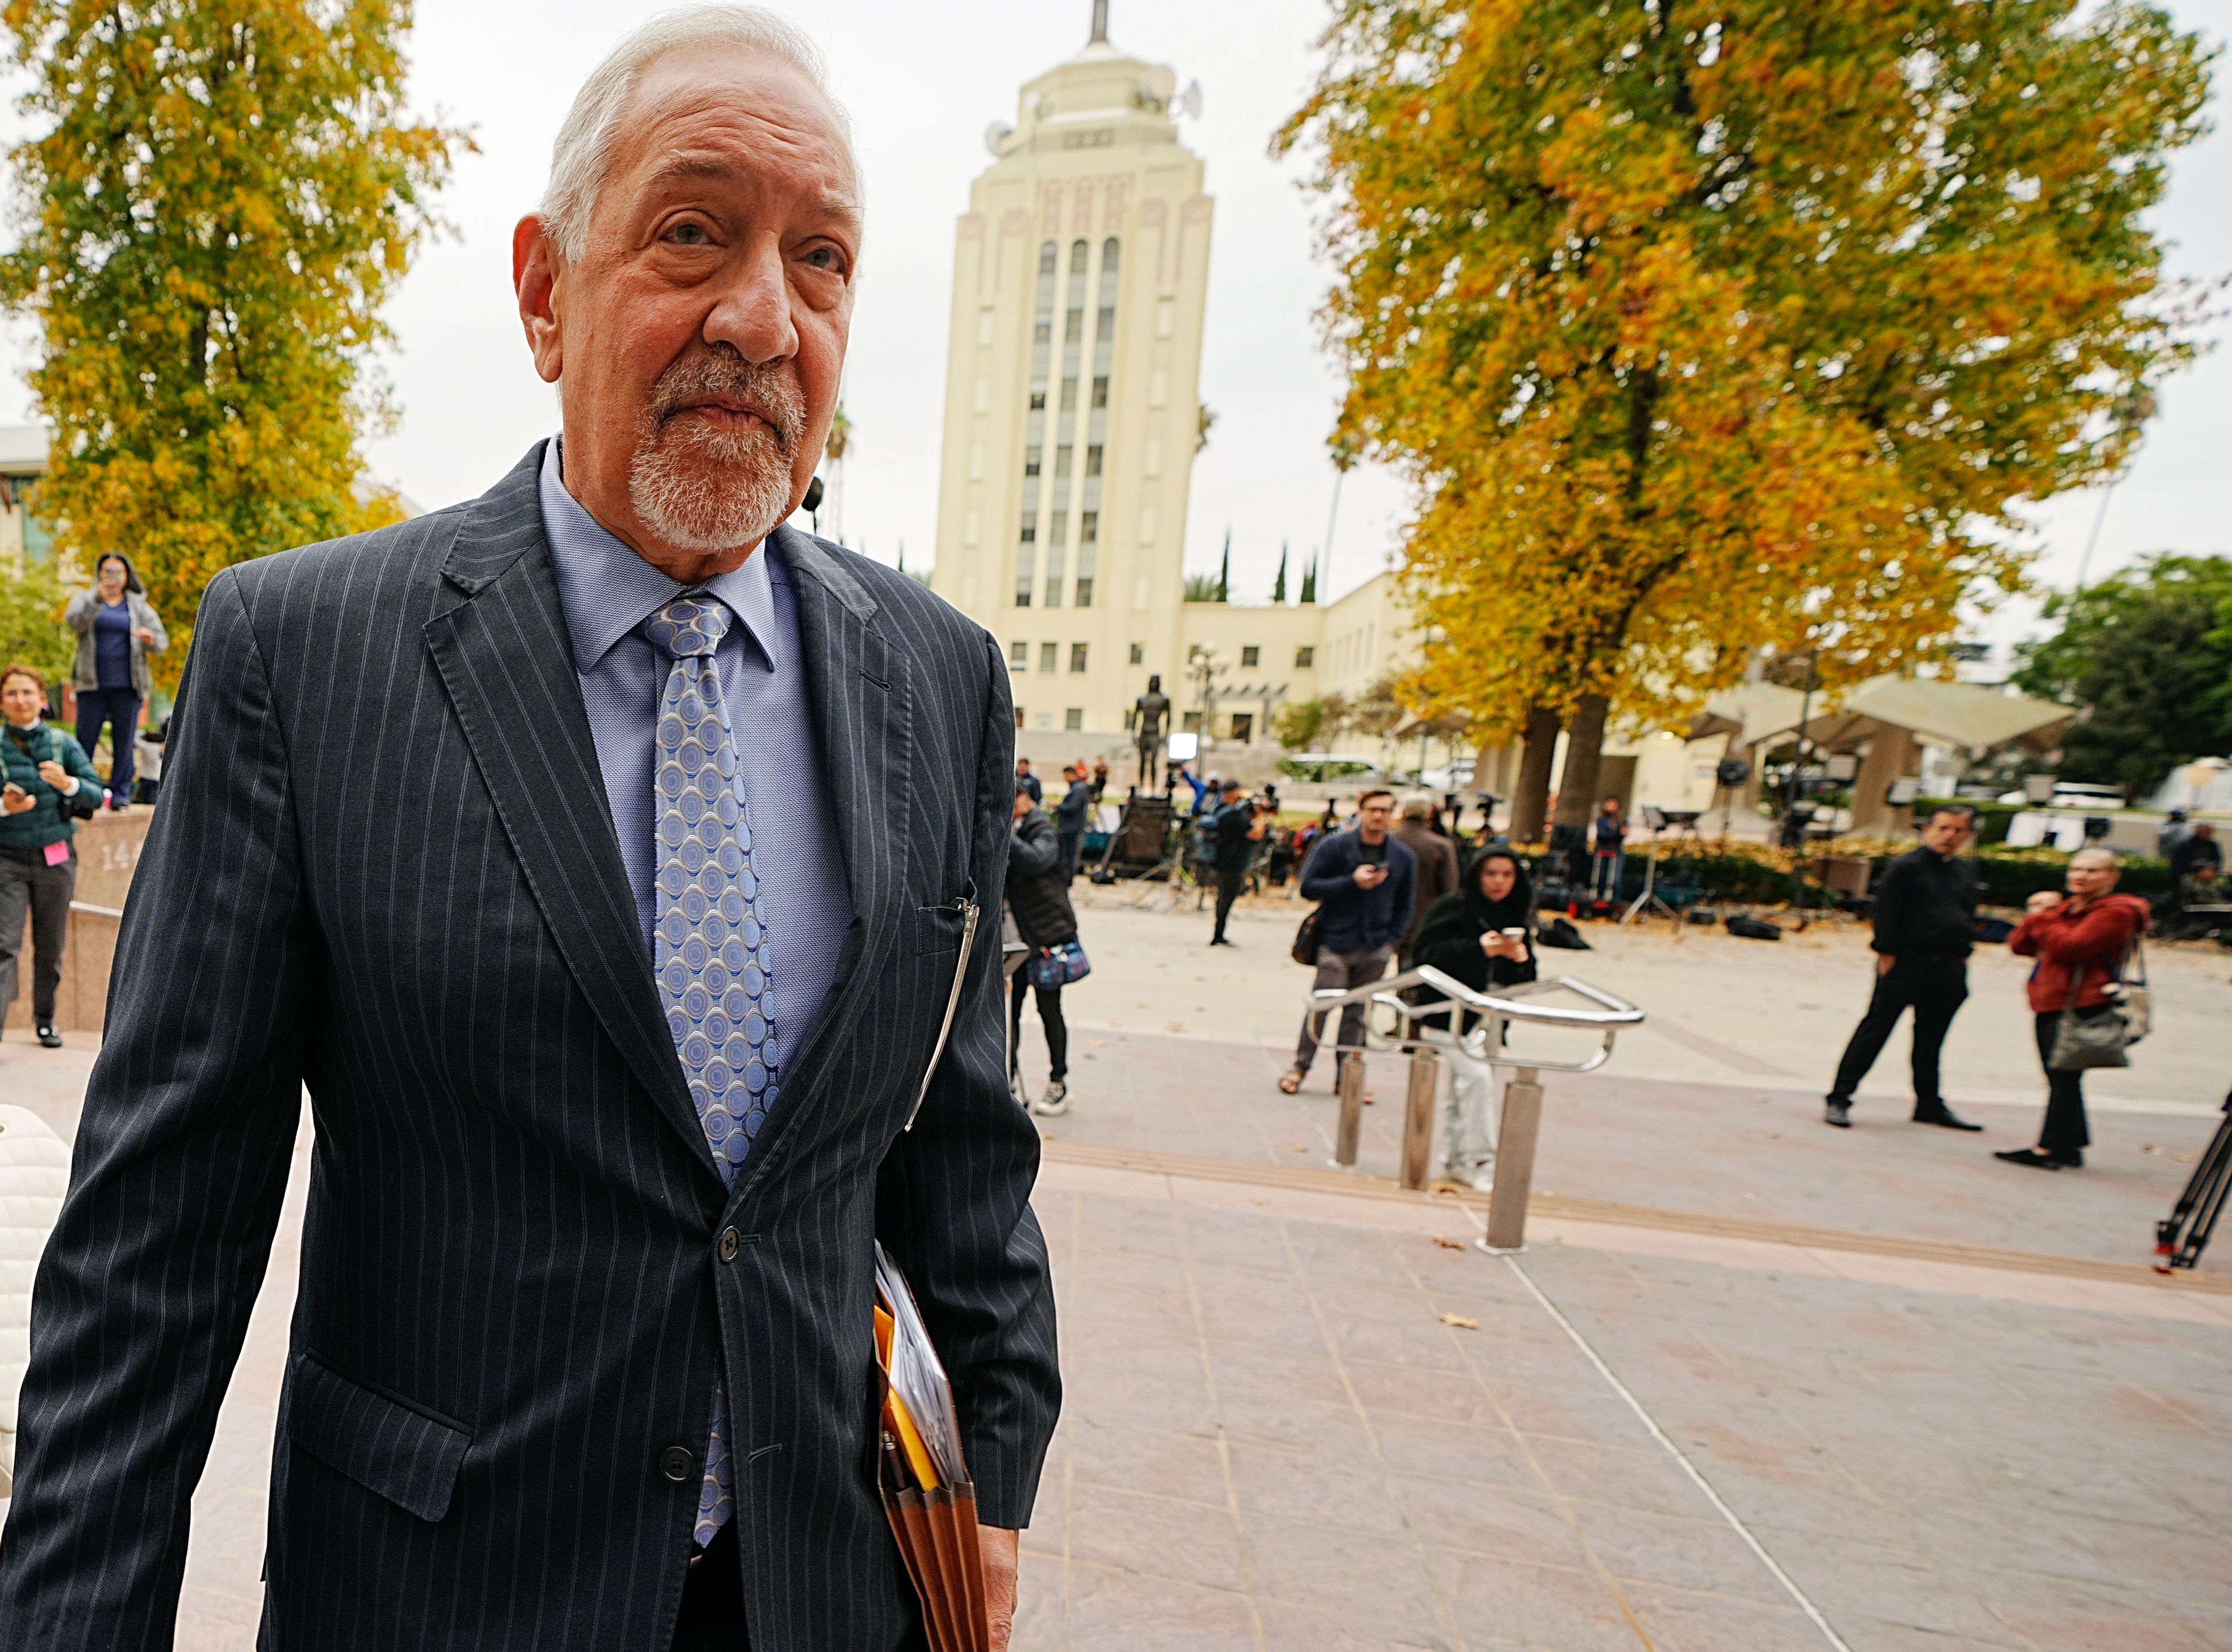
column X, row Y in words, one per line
column 607, row 590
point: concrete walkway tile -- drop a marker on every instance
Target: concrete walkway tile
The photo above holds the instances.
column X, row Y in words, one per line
column 1498, row 1520
column 1582, row 1407
column 1287, row 1626
column 1649, row 1481
column 2059, row 1616
column 1099, row 1267
column 1042, row 1604
column 1299, row 1374
column 1973, row 1537
column 1146, row 1401
column 1872, row 1635
column 1704, row 1554
column 1561, row 1610
column 1111, row 1609
column 1428, row 1343
column 1155, row 1462
column 1356, row 1302
column 1694, row 1623
column 1312, row 1565
column 1193, row 1543
column 1415, row 1391
column 2192, row 1568
column 1268, row 1416
column 1310, row 1486
column 1490, row 1456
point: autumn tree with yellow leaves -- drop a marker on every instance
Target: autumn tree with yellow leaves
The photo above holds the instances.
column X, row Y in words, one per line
column 1706, row 328
column 216, row 197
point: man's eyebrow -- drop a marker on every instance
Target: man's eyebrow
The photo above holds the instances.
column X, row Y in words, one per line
column 831, row 203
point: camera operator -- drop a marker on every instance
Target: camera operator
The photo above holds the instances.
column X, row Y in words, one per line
column 1236, row 828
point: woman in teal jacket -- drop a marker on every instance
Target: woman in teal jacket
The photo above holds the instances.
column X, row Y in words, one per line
column 49, row 779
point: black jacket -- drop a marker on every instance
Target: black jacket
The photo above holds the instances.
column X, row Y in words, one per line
column 1070, row 813
column 1449, row 940
column 521, row 1273
column 1233, row 848
column 1038, row 884
column 1925, row 907
column 1352, row 917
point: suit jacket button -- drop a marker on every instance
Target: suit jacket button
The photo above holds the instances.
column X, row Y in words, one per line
column 677, row 1464
column 731, row 1242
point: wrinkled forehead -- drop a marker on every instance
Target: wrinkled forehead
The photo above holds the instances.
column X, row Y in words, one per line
column 738, row 117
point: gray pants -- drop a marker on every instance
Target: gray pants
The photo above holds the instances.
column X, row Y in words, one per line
column 30, row 887
column 1470, row 1116
column 1337, row 972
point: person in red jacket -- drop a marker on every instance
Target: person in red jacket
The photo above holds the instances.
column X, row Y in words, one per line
column 2083, row 937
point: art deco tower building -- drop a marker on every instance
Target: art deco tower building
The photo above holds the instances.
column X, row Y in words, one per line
column 1081, row 274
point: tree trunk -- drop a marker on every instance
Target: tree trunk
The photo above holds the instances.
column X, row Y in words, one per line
column 1576, row 786
column 1531, row 801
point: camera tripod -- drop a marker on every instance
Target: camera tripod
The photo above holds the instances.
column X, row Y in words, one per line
column 2180, row 1240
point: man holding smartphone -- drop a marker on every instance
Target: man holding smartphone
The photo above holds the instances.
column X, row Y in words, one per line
column 1367, row 882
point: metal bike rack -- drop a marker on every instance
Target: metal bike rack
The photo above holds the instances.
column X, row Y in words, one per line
column 1407, row 1034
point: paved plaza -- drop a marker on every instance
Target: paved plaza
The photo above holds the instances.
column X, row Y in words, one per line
column 1754, row 1385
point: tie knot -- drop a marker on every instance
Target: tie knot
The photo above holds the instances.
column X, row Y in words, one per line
column 688, row 625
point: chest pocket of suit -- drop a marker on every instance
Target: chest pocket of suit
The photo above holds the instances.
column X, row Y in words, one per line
column 408, row 1456
column 938, row 929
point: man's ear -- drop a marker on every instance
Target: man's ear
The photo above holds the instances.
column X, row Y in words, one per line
column 534, row 278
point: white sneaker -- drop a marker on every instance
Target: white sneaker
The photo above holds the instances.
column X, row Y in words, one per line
column 1483, row 1179
column 1055, row 1102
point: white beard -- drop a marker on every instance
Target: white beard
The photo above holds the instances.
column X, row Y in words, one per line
column 704, row 489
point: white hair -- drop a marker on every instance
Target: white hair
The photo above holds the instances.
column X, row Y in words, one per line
column 583, row 150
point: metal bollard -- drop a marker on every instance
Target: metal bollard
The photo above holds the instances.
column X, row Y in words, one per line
column 1515, row 1164
column 1418, row 1117
column 1351, row 1086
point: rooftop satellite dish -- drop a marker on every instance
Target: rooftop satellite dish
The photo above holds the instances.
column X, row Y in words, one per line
column 997, row 136
column 1160, row 81
column 1189, row 105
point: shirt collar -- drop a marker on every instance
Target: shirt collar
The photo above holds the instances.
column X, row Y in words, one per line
column 607, row 590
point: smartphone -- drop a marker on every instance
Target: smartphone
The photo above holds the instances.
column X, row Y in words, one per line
column 13, row 790
column 1516, row 934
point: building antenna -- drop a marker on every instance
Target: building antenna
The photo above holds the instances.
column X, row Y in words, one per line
column 1100, row 23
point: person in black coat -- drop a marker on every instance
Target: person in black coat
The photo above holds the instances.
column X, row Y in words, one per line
column 1925, row 924
column 1069, row 818
column 1481, row 934
column 1038, row 896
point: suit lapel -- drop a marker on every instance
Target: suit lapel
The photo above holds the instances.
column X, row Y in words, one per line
column 506, row 663
column 858, row 695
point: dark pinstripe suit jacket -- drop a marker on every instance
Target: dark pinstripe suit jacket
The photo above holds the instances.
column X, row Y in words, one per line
column 384, row 867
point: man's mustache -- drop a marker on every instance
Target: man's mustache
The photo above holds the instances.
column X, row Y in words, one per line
column 768, row 390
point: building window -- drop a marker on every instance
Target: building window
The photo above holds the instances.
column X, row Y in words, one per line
column 1108, row 322
column 1018, row 719
column 1030, row 528
column 1042, row 333
column 1069, row 395
column 1244, row 727
column 1049, row 656
column 1139, row 653
column 1046, row 256
column 1031, row 461
column 1305, row 658
column 1100, row 392
column 1252, row 656
column 1073, row 719
column 1111, row 256
column 1038, row 401
column 1022, row 589
column 1075, row 328
column 1092, row 461
column 1077, row 652
column 1084, row 590
column 1191, row 722
column 1019, row 657
column 1061, row 461
column 1088, row 525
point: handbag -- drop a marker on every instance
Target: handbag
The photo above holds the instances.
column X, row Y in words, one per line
column 1306, row 938
column 2102, row 1038
column 1059, row 966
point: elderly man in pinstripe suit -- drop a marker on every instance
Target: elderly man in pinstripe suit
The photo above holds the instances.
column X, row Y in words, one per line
column 601, row 855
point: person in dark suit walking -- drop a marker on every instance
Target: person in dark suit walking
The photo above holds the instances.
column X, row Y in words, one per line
column 624, row 998
column 1069, row 817
column 1925, row 926
column 1437, row 865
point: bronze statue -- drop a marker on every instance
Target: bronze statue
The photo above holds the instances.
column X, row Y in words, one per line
column 1150, row 710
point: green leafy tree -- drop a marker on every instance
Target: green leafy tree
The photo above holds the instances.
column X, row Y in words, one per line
column 1701, row 330
column 31, row 632
column 1309, row 725
column 219, row 196
column 2148, row 652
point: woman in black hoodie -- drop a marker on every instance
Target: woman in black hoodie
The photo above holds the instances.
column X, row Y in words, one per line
column 1481, row 934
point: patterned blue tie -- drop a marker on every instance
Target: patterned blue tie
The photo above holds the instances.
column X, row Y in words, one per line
column 709, row 947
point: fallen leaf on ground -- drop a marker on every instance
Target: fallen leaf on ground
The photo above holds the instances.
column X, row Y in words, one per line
column 2151, row 1148
column 1096, row 1042
column 1299, row 1146
column 1459, row 1321
column 1449, row 1244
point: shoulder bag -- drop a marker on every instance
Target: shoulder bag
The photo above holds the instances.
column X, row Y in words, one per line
column 1059, row 966
column 1306, row 938
column 2103, row 1038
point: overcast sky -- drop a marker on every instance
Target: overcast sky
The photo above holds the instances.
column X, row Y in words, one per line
column 922, row 82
